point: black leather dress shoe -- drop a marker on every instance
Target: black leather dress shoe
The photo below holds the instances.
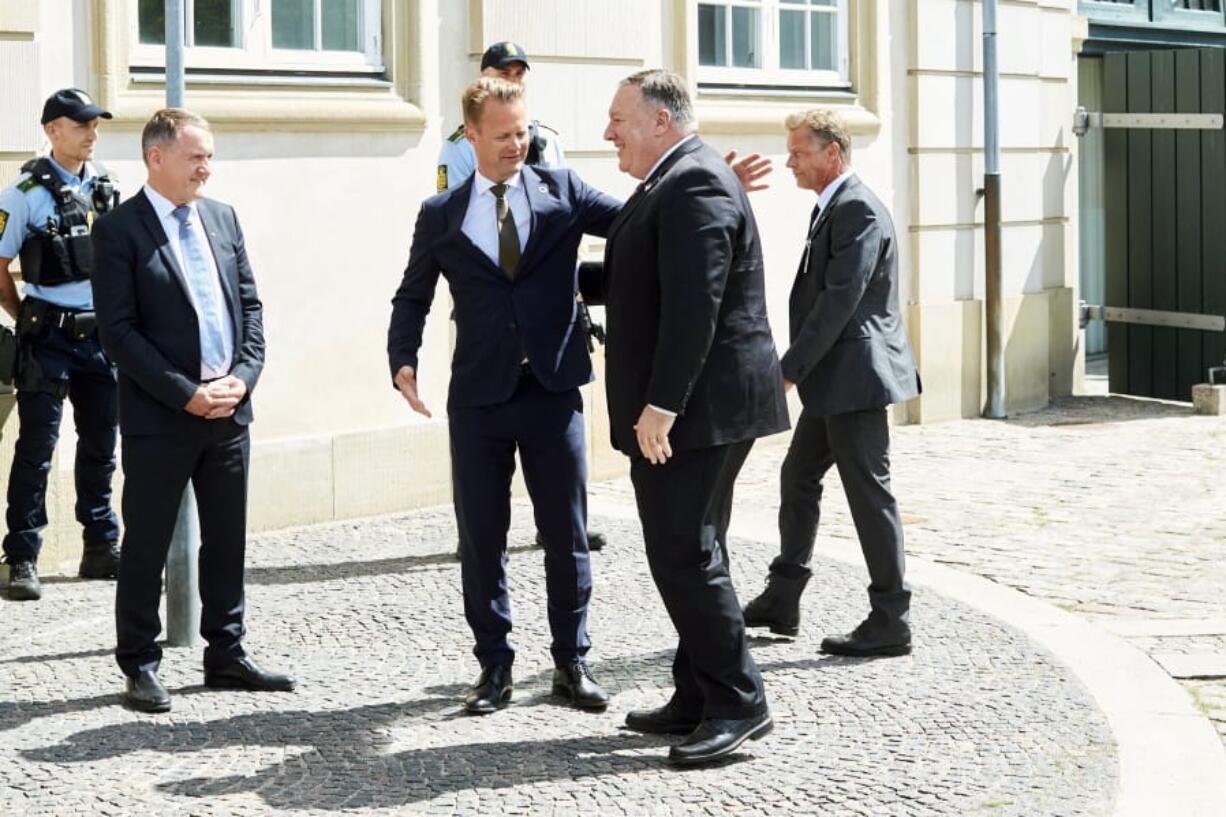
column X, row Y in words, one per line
column 870, row 639
column 145, row 693
column 242, row 673
column 778, row 606
column 99, row 561
column 491, row 691
column 664, row 720
column 575, row 682
column 717, row 738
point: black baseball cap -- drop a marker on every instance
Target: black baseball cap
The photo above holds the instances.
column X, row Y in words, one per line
column 500, row 55
column 74, row 104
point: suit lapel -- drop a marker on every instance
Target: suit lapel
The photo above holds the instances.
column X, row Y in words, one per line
column 153, row 224
column 542, row 204
column 650, row 183
column 806, row 258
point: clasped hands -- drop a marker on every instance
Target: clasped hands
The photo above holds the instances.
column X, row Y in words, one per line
column 218, row 398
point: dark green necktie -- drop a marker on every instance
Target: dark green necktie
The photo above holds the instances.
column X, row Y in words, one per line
column 508, row 236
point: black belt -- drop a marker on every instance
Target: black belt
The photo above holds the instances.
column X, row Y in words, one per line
column 76, row 323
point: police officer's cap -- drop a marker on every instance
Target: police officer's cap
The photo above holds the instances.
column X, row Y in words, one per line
column 500, row 55
column 74, row 104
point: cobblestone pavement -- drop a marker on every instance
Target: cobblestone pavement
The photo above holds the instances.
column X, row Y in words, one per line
column 368, row 615
column 1112, row 508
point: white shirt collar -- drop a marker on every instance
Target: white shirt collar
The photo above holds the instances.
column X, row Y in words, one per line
column 163, row 206
column 668, row 153
column 824, row 197
column 482, row 185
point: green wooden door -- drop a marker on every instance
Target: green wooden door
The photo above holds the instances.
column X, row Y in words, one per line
column 1165, row 218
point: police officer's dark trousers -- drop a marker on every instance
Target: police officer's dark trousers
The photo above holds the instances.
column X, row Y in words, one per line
column 78, row 370
column 547, row 429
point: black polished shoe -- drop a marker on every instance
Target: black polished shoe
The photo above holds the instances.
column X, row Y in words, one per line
column 717, row 738
column 23, row 581
column 870, row 639
column 664, row 720
column 491, row 691
column 243, row 673
column 575, row 682
column 595, row 541
column 778, row 607
column 99, row 561
column 145, row 693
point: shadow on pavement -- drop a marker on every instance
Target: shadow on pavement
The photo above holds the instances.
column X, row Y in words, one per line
column 348, row 758
column 307, row 573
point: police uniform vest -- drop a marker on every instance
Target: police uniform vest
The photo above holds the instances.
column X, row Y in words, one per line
column 60, row 252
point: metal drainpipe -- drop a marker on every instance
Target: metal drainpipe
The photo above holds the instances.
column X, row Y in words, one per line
column 182, row 591
column 993, row 309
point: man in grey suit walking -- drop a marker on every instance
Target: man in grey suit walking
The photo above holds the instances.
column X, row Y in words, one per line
column 850, row 359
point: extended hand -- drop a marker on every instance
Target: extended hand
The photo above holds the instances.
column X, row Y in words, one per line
column 406, row 381
column 750, row 169
column 652, row 433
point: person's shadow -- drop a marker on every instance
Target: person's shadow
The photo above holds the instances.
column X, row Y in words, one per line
column 348, row 757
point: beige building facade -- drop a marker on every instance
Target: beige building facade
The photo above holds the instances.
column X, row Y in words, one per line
column 328, row 129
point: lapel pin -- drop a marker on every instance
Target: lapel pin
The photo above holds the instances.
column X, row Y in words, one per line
column 543, row 188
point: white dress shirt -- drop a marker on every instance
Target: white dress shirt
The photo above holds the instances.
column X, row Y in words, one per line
column 165, row 208
column 481, row 219
column 668, row 153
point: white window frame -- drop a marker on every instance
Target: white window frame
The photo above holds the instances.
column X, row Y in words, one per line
column 769, row 72
column 254, row 51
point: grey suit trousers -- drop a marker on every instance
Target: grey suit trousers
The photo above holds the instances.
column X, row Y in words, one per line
column 858, row 444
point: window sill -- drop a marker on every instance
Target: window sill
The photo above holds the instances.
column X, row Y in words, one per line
column 765, row 112
column 257, row 104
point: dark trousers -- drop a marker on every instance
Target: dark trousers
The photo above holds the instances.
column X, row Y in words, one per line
column 79, row 370
column 547, row 429
column 213, row 455
column 858, row 444
column 685, row 505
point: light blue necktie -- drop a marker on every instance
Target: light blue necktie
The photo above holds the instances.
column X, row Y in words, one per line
column 199, row 275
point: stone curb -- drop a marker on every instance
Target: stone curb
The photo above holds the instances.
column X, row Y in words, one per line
column 1171, row 759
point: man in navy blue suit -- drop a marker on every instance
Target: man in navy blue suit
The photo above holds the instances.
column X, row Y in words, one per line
column 507, row 241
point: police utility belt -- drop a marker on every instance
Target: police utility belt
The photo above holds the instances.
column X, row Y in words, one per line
column 37, row 316
column 60, row 252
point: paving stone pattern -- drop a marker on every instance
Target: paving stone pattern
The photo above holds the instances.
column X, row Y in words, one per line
column 1110, row 507
column 368, row 615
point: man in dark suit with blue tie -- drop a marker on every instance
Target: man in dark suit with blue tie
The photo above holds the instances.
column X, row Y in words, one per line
column 507, row 240
column 850, row 359
column 179, row 315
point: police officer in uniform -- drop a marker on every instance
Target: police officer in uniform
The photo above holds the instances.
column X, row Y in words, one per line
column 456, row 160
column 45, row 220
